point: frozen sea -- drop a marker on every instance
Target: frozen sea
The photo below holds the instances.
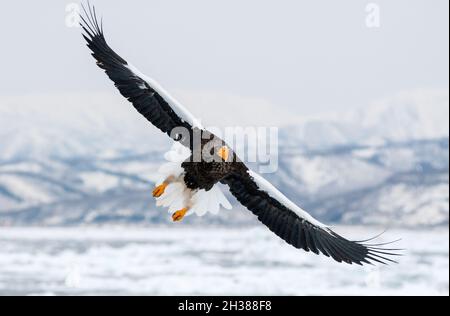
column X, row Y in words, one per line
column 208, row 261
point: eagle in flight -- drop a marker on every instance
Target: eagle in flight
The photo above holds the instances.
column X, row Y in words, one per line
column 190, row 181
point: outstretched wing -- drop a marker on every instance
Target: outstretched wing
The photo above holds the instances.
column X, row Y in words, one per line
column 146, row 95
column 296, row 226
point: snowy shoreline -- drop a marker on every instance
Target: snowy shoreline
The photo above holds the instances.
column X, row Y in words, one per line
column 214, row 261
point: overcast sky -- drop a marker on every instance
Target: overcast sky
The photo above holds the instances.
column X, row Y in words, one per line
column 304, row 56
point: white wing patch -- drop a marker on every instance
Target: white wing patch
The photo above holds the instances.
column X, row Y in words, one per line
column 178, row 196
column 177, row 107
column 273, row 192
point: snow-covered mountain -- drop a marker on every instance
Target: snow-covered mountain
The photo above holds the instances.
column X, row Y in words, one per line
column 63, row 161
column 408, row 116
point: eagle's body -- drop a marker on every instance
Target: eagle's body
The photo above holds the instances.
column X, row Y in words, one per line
column 203, row 174
column 190, row 181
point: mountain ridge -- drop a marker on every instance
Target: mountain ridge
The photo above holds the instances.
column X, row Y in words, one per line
column 96, row 162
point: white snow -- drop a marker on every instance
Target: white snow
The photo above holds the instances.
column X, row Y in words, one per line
column 405, row 116
column 40, row 126
column 420, row 206
column 320, row 172
column 25, row 189
column 99, row 181
column 208, row 261
column 22, row 167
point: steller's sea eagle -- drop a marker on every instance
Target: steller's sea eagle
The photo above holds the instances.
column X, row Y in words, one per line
column 191, row 186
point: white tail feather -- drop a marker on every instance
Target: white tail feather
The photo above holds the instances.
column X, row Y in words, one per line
column 178, row 196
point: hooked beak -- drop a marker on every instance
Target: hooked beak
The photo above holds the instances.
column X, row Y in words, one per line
column 224, row 153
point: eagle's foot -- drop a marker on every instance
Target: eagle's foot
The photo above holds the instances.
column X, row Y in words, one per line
column 179, row 215
column 159, row 190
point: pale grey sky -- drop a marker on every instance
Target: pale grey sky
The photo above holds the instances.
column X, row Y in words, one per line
column 304, row 56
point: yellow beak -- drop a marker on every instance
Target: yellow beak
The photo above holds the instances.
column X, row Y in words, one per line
column 224, row 153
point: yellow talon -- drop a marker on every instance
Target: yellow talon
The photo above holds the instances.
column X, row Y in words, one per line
column 159, row 190
column 179, row 215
